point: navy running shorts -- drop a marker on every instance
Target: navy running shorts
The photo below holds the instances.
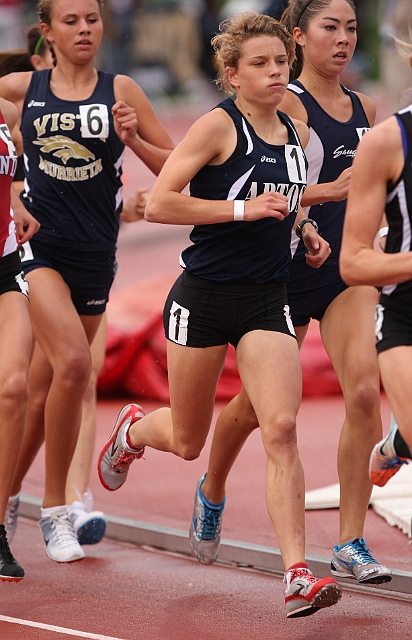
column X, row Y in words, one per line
column 89, row 275
column 310, row 291
column 393, row 323
column 11, row 275
column 200, row 313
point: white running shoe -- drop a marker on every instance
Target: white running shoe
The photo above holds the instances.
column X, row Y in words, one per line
column 61, row 541
column 10, row 518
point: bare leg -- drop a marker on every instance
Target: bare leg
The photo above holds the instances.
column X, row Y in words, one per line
column 79, row 472
column 235, row 423
column 64, row 338
column 182, row 430
column 395, row 365
column 15, row 349
column 348, row 335
column 40, row 376
column 275, row 392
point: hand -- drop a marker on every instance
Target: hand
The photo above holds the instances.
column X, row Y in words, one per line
column 26, row 225
column 267, row 205
column 133, row 208
column 341, row 185
column 318, row 248
column 125, row 122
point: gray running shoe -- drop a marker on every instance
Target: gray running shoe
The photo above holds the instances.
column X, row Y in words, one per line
column 10, row 518
column 204, row 533
column 305, row 594
column 61, row 541
column 116, row 457
column 354, row 560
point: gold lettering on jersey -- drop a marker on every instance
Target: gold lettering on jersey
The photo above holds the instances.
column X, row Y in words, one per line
column 67, row 121
column 40, row 124
column 64, row 148
column 55, row 122
column 70, row 174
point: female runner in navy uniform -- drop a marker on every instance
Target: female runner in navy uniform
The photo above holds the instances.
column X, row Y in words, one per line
column 247, row 173
column 15, row 329
column 382, row 182
column 325, row 32
column 75, row 122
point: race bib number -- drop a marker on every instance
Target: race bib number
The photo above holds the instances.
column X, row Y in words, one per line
column 94, row 119
column 296, row 165
column 178, row 322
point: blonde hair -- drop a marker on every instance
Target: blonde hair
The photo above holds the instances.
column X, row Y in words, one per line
column 235, row 31
column 404, row 49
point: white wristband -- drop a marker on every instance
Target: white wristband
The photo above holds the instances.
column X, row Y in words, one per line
column 383, row 232
column 238, row 210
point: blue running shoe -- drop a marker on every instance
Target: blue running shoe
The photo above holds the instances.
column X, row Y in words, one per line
column 353, row 560
column 204, row 534
column 384, row 461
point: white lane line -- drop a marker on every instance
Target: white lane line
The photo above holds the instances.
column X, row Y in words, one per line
column 51, row 627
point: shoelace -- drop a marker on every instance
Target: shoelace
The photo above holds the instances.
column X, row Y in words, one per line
column 301, row 573
column 125, row 459
column 393, row 462
column 63, row 529
column 362, row 552
column 210, row 523
column 5, row 554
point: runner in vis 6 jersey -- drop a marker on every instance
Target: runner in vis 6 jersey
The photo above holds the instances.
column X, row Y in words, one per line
column 382, row 182
column 75, row 122
column 247, row 174
column 325, row 33
column 15, row 330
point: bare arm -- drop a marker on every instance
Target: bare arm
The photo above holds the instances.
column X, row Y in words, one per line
column 149, row 141
column 211, row 140
column 379, row 161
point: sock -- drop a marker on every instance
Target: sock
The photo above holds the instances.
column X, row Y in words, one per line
column 14, row 498
column 298, row 565
column 130, row 444
column 45, row 513
column 400, row 446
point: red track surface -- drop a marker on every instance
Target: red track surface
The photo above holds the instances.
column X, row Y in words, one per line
column 122, row 591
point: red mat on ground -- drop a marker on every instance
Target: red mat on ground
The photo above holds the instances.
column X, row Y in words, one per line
column 135, row 362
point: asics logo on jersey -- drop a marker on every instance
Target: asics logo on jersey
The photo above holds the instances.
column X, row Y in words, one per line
column 341, row 151
column 33, row 103
column 64, row 148
column 95, row 302
column 266, row 159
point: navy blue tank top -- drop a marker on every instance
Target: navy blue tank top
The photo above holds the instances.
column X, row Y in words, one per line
column 399, row 210
column 331, row 149
column 73, row 166
column 252, row 252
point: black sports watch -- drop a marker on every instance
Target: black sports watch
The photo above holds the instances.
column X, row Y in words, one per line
column 300, row 226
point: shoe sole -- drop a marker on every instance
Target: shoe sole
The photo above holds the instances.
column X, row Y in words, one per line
column 108, row 444
column 10, row 579
column 92, row 532
column 327, row 596
column 373, row 580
